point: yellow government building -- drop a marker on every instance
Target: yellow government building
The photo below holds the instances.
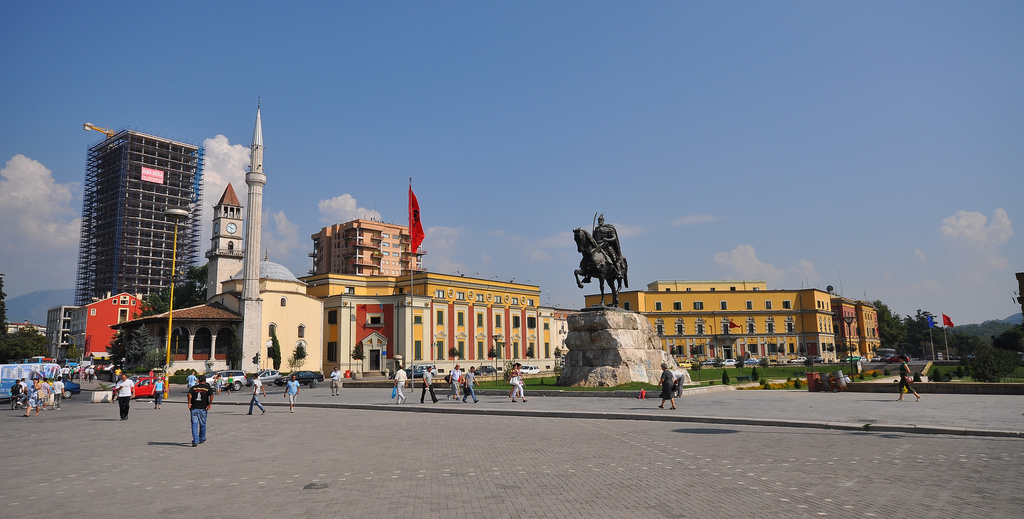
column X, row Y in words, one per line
column 737, row 319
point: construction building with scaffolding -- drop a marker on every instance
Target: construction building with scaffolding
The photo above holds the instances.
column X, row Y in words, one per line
column 126, row 244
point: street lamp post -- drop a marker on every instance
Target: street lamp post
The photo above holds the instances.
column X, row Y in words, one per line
column 497, row 355
column 849, row 350
column 174, row 214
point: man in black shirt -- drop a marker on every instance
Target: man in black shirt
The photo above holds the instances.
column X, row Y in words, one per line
column 200, row 398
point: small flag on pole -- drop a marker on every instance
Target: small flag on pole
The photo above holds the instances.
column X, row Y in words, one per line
column 946, row 321
column 931, row 322
column 733, row 325
column 415, row 227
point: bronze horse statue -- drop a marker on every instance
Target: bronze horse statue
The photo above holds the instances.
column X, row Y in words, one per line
column 601, row 264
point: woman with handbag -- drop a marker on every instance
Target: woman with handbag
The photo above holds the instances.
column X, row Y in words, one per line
column 517, row 381
column 905, row 379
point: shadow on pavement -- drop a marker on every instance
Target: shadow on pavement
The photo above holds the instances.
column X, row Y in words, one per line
column 706, row 431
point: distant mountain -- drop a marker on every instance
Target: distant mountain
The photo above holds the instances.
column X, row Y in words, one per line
column 32, row 307
column 989, row 328
column 1013, row 319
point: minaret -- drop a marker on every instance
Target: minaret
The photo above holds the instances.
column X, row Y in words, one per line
column 252, row 305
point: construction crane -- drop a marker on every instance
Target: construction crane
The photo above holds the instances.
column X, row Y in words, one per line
column 107, row 131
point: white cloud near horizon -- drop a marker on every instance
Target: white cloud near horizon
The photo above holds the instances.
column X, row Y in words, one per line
column 984, row 239
column 280, row 240
column 441, row 244
column 40, row 226
column 743, row 260
column 694, row 219
column 344, row 208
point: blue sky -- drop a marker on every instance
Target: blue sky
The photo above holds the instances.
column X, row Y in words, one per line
column 873, row 146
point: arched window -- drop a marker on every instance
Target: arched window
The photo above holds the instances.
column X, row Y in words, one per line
column 284, row 301
column 273, row 329
column 302, row 331
column 231, row 246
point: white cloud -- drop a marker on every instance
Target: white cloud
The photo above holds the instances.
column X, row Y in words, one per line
column 225, row 164
column 921, row 256
column 441, row 244
column 972, row 231
column 39, row 225
column 344, row 208
column 280, row 240
column 806, row 273
column 744, row 262
column 694, row 219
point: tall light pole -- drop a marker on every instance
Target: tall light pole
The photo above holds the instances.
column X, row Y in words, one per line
column 497, row 355
column 849, row 321
column 174, row 214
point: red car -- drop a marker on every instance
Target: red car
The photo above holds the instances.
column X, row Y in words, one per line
column 145, row 387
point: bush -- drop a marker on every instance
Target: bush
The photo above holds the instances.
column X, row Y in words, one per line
column 936, row 375
column 725, row 377
column 887, row 372
column 959, row 372
column 860, row 377
column 754, row 375
column 797, row 383
column 917, row 377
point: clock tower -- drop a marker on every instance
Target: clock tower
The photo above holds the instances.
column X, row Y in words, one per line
column 225, row 254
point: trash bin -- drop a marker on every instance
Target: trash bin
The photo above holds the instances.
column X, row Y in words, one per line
column 814, row 381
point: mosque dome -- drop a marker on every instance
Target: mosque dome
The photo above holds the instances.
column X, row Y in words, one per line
column 271, row 271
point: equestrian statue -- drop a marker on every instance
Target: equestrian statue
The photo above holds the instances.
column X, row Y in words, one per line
column 602, row 259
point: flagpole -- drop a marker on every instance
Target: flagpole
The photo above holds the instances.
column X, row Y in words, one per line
column 945, row 340
column 932, row 342
column 412, row 300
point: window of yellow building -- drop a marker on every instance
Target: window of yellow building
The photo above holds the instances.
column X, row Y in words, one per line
column 417, row 350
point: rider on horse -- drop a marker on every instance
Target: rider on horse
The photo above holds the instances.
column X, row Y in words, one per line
column 607, row 239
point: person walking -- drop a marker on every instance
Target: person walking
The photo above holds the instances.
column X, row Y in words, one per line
column 468, row 381
column 428, row 384
column 667, row 379
column 257, row 387
column 158, row 393
column 516, row 379
column 200, row 399
column 124, row 390
column 906, row 378
column 336, row 381
column 58, row 392
column 37, row 396
column 400, row 379
column 191, row 380
column 455, row 380
column 291, row 392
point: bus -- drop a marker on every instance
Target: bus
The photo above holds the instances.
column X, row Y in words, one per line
column 11, row 373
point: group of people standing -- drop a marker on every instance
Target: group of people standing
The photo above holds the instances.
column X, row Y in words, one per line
column 37, row 393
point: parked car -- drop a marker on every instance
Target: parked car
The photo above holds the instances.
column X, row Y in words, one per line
column 145, row 387
column 729, row 363
column 416, row 370
column 797, row 360
column 310, row 378
column 486, row 370
column 852, row 358
column 709, row 362
column 752, row 362
column 684, row 362
column 231, row 378
column 267, row 376
column 892, row 359
column 530, row 370
column 818, row 360
column 71, row 388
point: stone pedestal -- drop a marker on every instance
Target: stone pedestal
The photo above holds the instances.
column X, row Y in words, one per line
column 611, row 347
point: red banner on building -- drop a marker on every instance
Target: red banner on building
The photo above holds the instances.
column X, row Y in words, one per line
column 152, row 175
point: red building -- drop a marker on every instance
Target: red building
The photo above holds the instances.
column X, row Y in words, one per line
column 90, row 324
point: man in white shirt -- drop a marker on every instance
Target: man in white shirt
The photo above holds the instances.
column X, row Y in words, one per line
column 125, row 392
column 336, row 382
column 400, row 378
column 58, row 392
column 456, row 378
column 257, row 388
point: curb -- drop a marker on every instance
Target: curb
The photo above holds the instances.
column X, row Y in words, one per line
column 863, row 427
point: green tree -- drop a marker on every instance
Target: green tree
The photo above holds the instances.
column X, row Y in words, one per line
column 892, row 331
column 187, row 293
column 298, row 358
column 993, row 364
column 235, row 350
column 1012, row 340
column 3, row 309
column 24, row 344
column 725, row 377
column 275, row 349
column 73, row 353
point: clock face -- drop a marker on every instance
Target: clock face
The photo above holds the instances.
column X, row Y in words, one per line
column 231, row 227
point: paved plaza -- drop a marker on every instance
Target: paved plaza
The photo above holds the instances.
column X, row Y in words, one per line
column 357, row 456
